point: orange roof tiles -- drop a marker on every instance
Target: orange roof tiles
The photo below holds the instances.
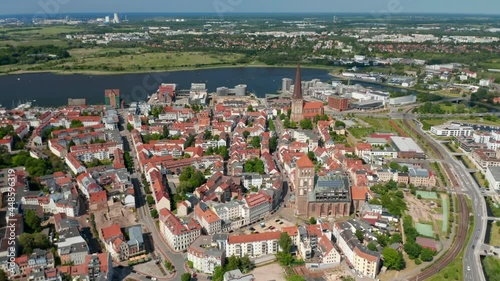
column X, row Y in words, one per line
column 111, row 231
column 249, row 238
column 98, row 197
column 304, row 162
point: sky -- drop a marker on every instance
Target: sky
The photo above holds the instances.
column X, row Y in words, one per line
column 244, row 6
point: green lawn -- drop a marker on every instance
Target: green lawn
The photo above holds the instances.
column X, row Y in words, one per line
column 152, row 60
column 379, row 124
column 42, row 31
column 492, row 268
column 109, row 60
column 494, row 235
column 360, row 133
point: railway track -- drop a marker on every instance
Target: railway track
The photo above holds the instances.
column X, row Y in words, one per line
column 463, row 216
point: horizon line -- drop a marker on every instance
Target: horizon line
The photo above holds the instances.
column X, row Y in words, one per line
column 268, row 13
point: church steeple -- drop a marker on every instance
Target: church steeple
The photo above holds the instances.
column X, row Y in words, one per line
column 297, row 91
column 297, row 99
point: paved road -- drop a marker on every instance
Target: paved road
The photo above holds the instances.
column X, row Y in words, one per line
column 471, row 260
column 144, row 215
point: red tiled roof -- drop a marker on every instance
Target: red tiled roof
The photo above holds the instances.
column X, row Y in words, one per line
column 98, row 197
column 291, row 230
column 111, row 231
column 236, row 239
column 365, row 255
column 358, row 193
column 304, row 162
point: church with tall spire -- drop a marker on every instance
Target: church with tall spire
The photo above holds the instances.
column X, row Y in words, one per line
column 297, row 98
column 300, row 109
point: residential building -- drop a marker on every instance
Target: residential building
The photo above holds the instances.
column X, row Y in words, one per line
column 493, row 177
column 179, row 234
column 253, row 245
column 209, row 220
column 452, row 130
column 205, row 254
column 362, row 260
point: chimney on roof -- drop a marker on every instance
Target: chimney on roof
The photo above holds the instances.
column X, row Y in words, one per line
column 297, row 91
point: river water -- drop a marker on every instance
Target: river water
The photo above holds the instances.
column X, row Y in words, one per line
column 50, row 89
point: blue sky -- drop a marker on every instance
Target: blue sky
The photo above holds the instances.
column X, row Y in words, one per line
column 240, row 6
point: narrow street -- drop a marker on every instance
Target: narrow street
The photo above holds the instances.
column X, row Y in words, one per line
column 143, row 214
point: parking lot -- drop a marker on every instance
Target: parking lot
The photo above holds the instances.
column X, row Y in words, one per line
column 270, row 225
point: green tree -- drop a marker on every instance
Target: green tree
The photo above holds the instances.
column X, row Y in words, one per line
column 3, row 275
column 271, row 126
column 312, row 220
column 393, row 259
column 285, row 242
column 130, row 127
column 156, row 111
column 250, row 108
column 28, row 242
column 165, row 132
column 311, row 156
column 246, row 134
column 396, row 238
column 224, row 153
column 306, row 124
column 394, row 166
column 233, row 262
column 372, row 247
column 76, row 124
column 339, row 124
column 207, row 135
column 273, row 144
column 255, row 142
column 412, row 249
column 218, row 273
column 245, row 264
column 154, row 214
column 151, row 200
column 32, row 221
column 427, row 254
column 186, row 276
column 359, row 235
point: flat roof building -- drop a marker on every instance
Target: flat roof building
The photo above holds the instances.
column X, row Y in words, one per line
column 407, row 147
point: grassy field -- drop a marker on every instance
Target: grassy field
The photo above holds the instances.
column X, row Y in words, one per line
column 110, row 60
column 155, row 60
column 379, row 124
column 36, row 36
column 492, row 268
column 494, row 235
column 42, row 31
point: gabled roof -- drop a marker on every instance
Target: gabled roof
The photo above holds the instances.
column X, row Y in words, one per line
column 304, row 162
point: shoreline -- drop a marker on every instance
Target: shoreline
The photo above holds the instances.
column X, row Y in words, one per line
column 179, row 69
column 382, row 84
